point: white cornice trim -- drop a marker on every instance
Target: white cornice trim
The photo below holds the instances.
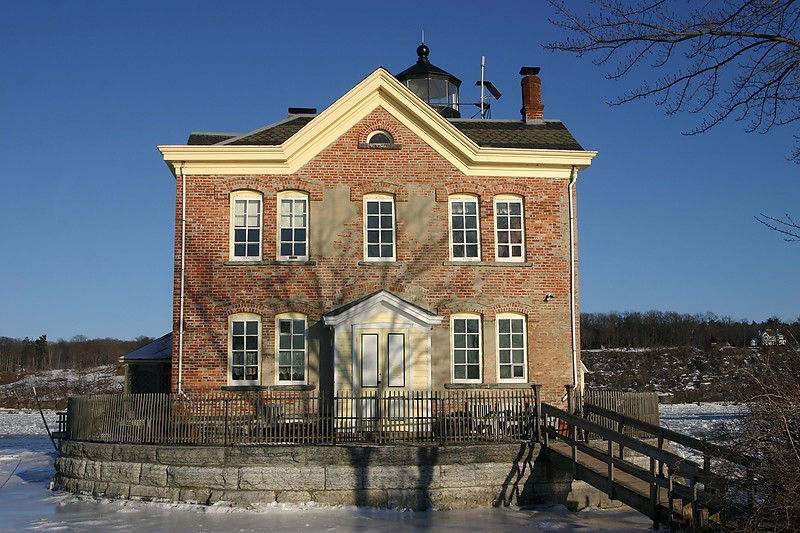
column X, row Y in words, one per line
column 379, row 89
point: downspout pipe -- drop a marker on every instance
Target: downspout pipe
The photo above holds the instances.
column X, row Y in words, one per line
column 573, row 303
column 182, row 280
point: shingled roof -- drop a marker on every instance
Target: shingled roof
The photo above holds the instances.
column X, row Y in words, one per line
column 549, row 134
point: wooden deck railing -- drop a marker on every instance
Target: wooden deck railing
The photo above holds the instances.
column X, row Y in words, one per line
column 303, row 417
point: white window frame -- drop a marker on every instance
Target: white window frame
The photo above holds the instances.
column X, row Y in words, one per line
column 246, row 347
column 498, row 231
column 456, row 347
column 293, row 197
column 459, row 234
column 369, row 218
column 247, row 197
column 505, row 342
column 293, row 319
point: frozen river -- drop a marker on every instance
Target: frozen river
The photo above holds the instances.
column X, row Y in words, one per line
column 26, row 504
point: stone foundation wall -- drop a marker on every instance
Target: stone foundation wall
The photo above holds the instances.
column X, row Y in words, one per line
column 402, row 476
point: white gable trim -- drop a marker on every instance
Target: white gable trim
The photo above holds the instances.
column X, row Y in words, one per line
column 412, row 313
column 379, row 89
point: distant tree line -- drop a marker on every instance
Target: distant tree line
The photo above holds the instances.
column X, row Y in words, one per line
column 657, row 329
column 17, row 355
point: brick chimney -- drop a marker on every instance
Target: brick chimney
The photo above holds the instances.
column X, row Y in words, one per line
column 532, row 107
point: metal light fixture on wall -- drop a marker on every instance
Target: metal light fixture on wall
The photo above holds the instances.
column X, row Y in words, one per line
column 548, row 297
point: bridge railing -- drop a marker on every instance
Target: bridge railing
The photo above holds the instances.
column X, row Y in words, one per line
column 708, row 486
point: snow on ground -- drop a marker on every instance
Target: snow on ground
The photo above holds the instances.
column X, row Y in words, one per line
column 27, row 504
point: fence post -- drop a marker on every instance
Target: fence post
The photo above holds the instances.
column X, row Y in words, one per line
column 537, row 411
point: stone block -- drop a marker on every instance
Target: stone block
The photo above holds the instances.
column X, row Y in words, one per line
column 197, row 496
column 296, row 497
column 278, row 454
column 244, row 498
column 92, row 470
column 117, row 472
column 96, row 451
column 397, row 477
column 112, row 490
column 137, row 453
column 463, row 498
column 155, row 475
column 147, row 492
column 281, row 477
column 412, row 499
column 360, row 498
column 191, row 455
column 69, row 467
column 459, row 475
column 344, row 478
column 212, row 477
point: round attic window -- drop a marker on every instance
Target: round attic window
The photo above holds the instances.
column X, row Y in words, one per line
column 379, row 137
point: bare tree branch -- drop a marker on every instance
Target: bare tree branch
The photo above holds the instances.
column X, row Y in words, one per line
column 786, row 226
column 736, row 59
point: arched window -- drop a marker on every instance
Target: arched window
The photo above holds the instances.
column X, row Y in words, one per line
column 509, row 226
column 465, row 234
column 292, row 348
column 511, row 347
column 380, row 137
column 246, row 224
column 467, row 347
column 379, row 224
column 244, row 349
column 293, row 211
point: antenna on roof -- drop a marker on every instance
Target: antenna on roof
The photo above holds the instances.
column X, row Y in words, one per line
column 486, row 107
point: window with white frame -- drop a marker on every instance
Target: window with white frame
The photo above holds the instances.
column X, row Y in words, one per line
column 511, row 347
column 246, row 226
column 292, row 226
column 466, row 338
column 509, row 229
column 245, row 349
column 292, row 348
column 379, row 235
column 464, row 229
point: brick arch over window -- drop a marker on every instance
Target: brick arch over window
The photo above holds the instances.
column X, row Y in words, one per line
column 239, row 183
column 469, row 308
column 466, row 187
column 400, row 193
column 513, row 307
column 243, row 307
column 374, row 125
column 312, row 189
column 514, row 188
column 305, row 308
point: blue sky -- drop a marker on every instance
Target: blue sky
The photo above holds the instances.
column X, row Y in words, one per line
column 89, row 88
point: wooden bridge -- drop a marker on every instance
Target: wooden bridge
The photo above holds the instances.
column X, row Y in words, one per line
column 644, row 472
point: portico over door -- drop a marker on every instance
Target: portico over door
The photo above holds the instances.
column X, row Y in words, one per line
column 381, row 345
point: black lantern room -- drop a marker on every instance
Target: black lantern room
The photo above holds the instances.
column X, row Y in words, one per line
column 437, row 87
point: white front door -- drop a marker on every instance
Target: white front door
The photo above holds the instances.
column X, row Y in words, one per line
column 382, row 376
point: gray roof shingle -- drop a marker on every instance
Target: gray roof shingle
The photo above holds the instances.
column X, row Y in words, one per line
column 549, row 134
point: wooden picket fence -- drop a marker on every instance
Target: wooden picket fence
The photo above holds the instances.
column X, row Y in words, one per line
column 639, row 405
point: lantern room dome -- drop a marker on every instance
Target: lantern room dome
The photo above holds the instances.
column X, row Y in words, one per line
column 435, row 86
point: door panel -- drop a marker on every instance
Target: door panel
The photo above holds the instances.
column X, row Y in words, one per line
column 370, row 361
column 396, row 359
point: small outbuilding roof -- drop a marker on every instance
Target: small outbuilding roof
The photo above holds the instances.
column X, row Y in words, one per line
column 153, row 352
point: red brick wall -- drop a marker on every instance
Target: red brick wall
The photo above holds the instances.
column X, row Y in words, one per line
column 215, row 290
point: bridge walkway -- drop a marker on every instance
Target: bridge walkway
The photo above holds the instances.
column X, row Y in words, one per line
column 644, row 473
